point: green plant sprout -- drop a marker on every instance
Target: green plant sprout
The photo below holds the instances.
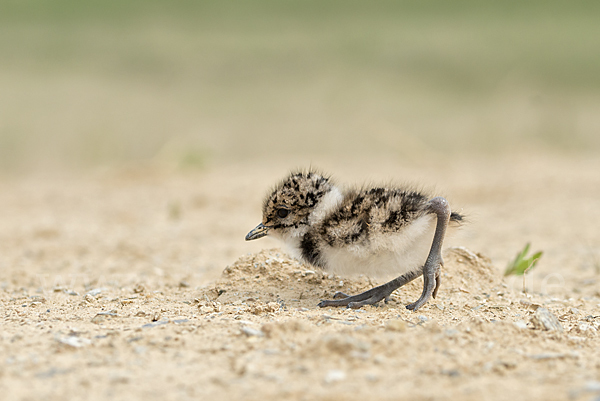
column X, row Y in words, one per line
column 521, row 265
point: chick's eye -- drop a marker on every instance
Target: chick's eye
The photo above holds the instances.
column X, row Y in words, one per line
column 282, row 213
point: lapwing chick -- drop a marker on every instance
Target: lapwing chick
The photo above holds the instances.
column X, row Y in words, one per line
column 374, row 231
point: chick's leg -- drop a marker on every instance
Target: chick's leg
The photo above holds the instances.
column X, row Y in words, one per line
column 373, row 295
column 431, row 270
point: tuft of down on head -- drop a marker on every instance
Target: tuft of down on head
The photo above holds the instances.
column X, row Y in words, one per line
column 291, row 202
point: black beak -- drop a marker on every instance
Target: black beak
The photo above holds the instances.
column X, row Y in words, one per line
column 258, row 232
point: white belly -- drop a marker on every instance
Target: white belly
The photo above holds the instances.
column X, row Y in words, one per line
column 386, row 255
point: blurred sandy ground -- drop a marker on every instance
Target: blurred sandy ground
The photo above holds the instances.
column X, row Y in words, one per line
column 188, row 111
column 86, row 84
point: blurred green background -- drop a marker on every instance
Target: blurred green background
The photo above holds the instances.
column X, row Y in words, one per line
column 88, row 83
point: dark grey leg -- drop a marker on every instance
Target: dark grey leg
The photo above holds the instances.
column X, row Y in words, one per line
column 431, row 270
column 373, row 295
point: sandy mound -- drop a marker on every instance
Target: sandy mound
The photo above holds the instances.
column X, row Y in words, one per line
column 272, row 276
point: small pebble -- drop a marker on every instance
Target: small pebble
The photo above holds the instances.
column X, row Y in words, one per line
column 396, row 325
column 73, row 341
column 94, row 292
column 334, row 376
column 553, row 355
column 155, row 324
column 89, row 298
column 102, row 317
column 251, row 332
column 583, row 326
column 451, row 332
column 592, row 386
column 543, row 319
column 520, row 324
column 139, row 288
column 372, row 377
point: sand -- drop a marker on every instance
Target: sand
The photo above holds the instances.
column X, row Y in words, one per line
column 131, row 283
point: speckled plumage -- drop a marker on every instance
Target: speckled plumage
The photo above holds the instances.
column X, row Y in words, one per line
column 373, row 230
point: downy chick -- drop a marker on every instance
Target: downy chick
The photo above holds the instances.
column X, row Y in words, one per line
column 373, row 231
